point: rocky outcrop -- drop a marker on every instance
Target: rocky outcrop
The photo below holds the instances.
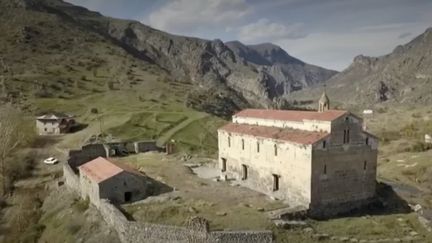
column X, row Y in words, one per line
column 277, row 70
column 403, row 76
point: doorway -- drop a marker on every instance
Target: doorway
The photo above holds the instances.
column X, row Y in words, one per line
column 224, row 165
column 275, row 182
column 245, row 172
column 128, row 196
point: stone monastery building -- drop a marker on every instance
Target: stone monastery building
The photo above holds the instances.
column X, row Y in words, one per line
column 322, row 161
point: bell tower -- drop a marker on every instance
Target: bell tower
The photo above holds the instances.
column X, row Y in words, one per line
column 324, row 103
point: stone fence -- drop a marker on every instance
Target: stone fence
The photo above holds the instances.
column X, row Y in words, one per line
column 133, row 232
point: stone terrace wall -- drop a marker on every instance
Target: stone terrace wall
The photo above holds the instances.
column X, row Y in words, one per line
column 132, row 232
column 242, row 236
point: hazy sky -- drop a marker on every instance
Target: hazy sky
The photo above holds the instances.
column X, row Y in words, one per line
column 329, row 33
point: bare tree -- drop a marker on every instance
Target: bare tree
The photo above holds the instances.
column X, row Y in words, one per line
column 12, row 135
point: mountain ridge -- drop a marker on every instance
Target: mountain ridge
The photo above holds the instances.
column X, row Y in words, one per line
column 210, row 64
column 401, row 77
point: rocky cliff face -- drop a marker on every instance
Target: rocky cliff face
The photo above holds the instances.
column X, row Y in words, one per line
column 280, row 72
column 403, row 76
column 265, row 73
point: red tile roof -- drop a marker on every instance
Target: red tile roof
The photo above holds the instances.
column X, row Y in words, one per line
column 285, row 134
column 291, row 115
column 101, row 169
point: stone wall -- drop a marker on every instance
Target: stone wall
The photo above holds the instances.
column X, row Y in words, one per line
column 132, row 232
column 242, row 236
column 86, row 154
column 71, row 179
column 265, row 159
column 146, row 146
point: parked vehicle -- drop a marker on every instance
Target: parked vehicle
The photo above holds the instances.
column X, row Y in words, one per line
column 51, row 161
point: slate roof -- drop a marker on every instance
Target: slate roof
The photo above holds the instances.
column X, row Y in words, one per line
column 291, row 115
column 284, row 134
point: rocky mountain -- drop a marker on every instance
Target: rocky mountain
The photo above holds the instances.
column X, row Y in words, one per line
column 282, row 72
column 246, row 75
column 403, row 77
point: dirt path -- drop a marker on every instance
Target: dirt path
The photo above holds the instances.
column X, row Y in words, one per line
column 170, row 133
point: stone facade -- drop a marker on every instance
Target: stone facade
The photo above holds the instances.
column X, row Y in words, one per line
column 102, row 179
column 313, row 160
column 54, row 124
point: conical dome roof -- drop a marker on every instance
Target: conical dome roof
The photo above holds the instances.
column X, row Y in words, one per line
column 324, row 98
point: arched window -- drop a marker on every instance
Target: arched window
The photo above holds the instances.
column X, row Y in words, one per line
column 275, row 150
column 346, row 137
column 325, row 169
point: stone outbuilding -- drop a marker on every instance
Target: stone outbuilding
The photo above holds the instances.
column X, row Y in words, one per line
column 322, row 161
column 54, row 123
column 103, row 178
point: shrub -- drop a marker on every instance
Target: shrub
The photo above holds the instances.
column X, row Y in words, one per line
column 94, row 111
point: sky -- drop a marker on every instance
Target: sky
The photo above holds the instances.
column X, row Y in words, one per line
column 328, row 33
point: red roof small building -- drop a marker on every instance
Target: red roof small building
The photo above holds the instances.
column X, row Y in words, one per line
column 103, row 178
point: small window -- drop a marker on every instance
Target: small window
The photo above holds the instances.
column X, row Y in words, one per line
column 242, row 144
column 275, row 150
column 346, row 119
column 324, row 144
column 367, row 141
column 45, row 129
column 365, row 165
column 229, row 141
column 325, row 169
column 346, row 138
column 258, row 147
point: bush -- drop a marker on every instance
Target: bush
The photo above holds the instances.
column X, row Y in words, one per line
column 94, row 111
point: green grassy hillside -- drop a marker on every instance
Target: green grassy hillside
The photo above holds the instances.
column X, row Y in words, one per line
column 52, row 63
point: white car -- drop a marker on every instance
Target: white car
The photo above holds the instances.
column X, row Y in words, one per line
column 51, row 161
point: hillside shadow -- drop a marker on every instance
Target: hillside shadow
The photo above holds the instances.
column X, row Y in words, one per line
column 157, row 188
column 387, row 202
column 78, row 127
